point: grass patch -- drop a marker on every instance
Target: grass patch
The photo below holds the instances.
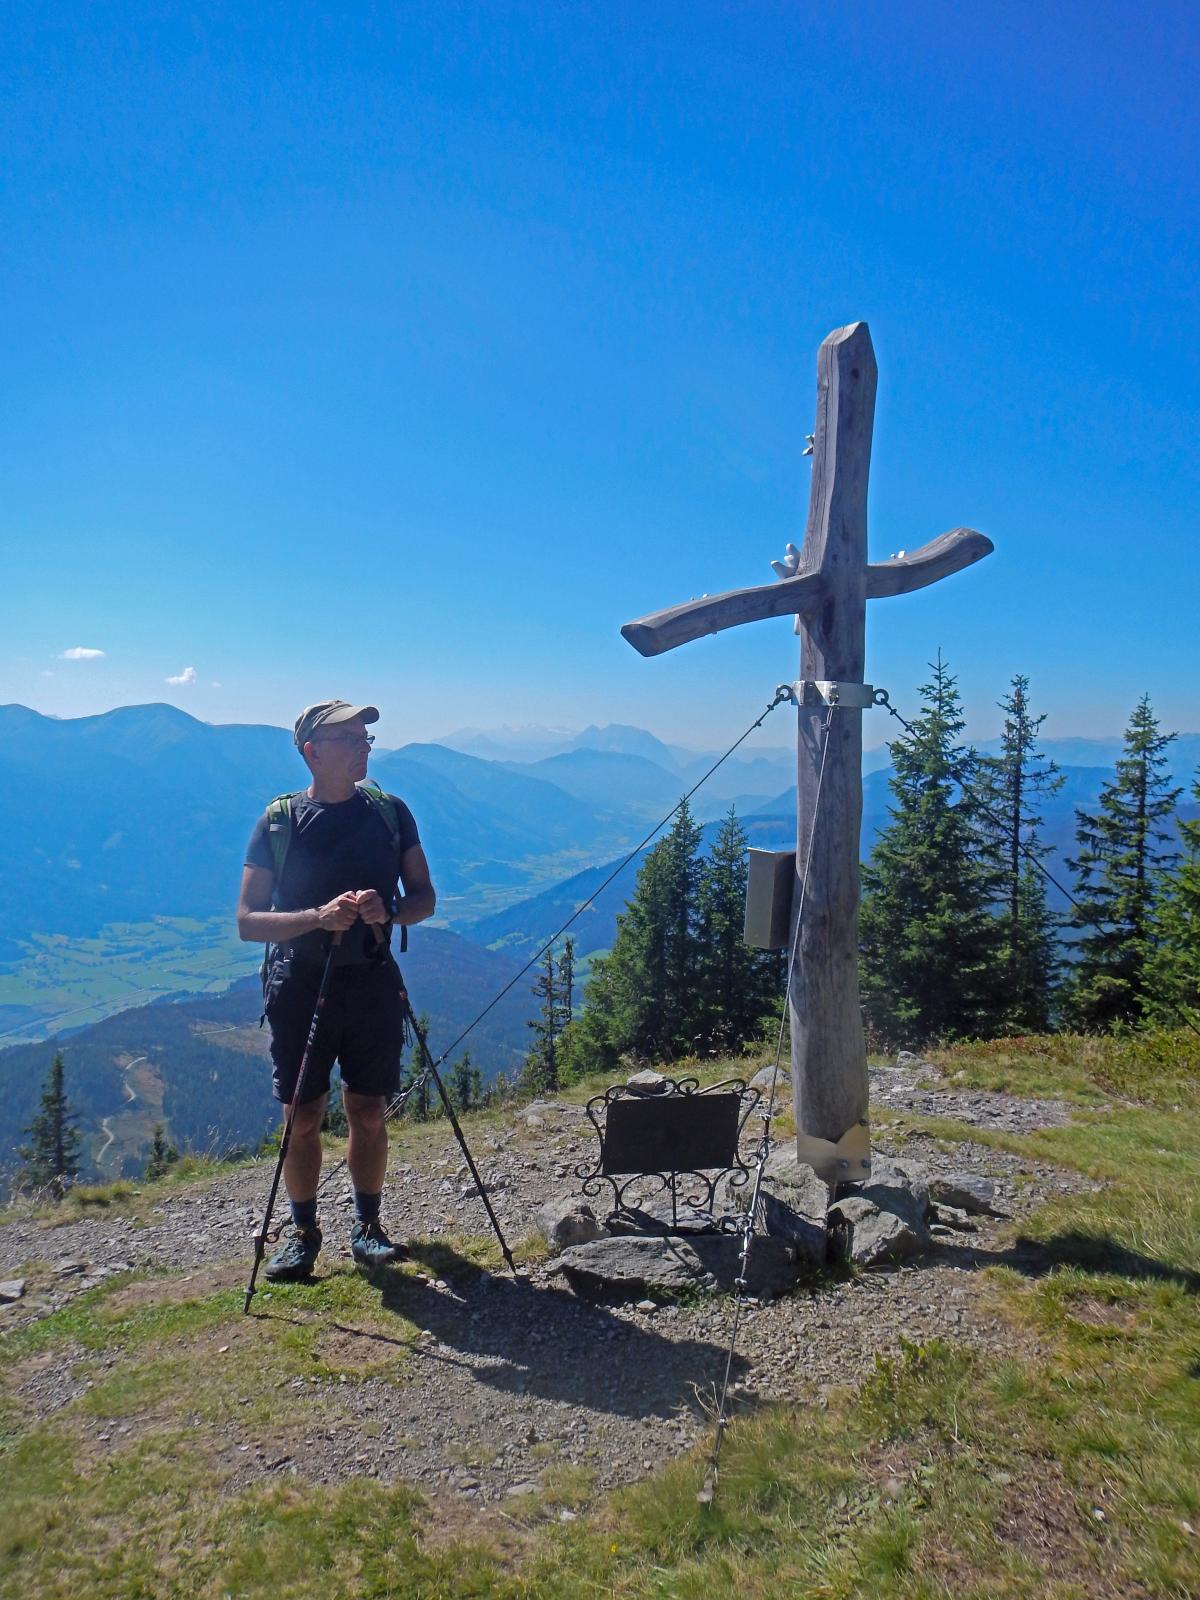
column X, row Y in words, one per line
column 1158, row 1067
column 1071, row 1473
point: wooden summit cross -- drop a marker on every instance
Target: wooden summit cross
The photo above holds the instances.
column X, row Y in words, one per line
column 827, row 590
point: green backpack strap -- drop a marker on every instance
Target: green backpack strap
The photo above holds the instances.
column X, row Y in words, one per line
column 279, row 832
column 387, row 814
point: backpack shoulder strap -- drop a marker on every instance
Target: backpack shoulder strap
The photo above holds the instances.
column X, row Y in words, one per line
column 386, row 811
column 279, row 831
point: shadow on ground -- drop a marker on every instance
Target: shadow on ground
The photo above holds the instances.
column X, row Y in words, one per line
column 520, row 1337
column 1090, row 1252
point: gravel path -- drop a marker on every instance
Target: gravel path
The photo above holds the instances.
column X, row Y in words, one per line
column 516, row 1387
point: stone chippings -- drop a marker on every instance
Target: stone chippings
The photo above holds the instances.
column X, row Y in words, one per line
column 510, row 1379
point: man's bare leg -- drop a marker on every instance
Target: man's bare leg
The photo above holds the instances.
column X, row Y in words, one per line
column 368, row 1153
column 302, row 1169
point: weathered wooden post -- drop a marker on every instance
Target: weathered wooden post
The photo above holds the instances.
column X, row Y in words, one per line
column 828, row 593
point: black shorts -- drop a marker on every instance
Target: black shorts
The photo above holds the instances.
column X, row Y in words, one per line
column 361, row 1027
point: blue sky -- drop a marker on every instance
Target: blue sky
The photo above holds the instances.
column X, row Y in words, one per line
column 405, row 352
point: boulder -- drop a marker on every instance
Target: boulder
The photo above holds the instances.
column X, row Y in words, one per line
column 762, row 1082
column 11, row 1289
column 636, row 1265
column 793, row 1203
column 567, row 1221
column 657, row 1215
column 646, row 1082
column 966, row 1191
column 883, row 1219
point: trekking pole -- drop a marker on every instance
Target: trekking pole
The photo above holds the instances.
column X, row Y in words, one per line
column 263, row 1237
column 431, row 1069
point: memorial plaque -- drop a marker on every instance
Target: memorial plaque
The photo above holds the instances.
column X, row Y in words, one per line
column 671, row 1133
column 664, row 1147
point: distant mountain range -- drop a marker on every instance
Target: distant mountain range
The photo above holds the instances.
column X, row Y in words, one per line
column 201, row 1068
column 144, row 812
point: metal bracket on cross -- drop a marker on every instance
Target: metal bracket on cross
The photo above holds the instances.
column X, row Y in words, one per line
column 824, row 692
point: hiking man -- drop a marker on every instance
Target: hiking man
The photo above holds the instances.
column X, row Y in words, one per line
column 321, row 863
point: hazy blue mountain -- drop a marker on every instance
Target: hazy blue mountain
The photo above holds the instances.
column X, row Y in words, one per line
column 121, row 816
column 610, row 781
column 558, row 817
column 1080, row 790
column 1183, row 754
column 201, row 1066
column 528, row 743
column 146, row 811
column 621, row 739
column 520, row 929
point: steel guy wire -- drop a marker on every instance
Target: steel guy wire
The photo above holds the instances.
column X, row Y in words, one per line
column 782, row 694
column 882, row 699
column 764, row 1149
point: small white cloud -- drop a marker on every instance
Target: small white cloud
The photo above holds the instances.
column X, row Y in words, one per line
column 80, row 652
column 188, row 675
column 46, row 673
column 217, row 685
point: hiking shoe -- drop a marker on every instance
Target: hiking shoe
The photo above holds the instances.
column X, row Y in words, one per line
column 296, row 1258
column 371, row 1247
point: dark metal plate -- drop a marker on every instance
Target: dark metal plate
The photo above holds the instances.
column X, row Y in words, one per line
column 671, row 1133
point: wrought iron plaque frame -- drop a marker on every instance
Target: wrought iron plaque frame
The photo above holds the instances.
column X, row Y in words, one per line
column 641, row 1129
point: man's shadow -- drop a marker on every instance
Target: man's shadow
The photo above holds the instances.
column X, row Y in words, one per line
column 1090, row 1252
column 520, row 1337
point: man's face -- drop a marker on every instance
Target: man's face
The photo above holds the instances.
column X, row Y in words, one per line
column 341, row 751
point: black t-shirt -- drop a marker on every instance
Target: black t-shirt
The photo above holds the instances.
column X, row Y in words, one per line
column 335, row 848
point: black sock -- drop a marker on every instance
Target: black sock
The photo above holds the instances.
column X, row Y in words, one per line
column 366, row 1206
column 304, row 1213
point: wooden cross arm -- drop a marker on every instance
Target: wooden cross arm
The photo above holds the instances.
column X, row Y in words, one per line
column 664, row 630
column 949, row 552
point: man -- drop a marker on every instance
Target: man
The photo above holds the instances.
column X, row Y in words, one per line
column 345, row 852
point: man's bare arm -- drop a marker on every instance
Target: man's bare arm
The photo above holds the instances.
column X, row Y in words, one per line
column 258, row 924
column 419, row 900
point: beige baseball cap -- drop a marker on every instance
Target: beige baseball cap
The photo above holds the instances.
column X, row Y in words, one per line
column 326, row 714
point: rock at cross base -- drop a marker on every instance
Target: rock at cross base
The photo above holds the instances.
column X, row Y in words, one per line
column 884, row 1219
column 762, row 1081
column 968, row 1191
column 569, row 1220
column 792, row 1204
column 636, row 1264
column 646, row 1082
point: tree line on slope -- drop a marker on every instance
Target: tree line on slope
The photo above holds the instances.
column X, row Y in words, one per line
column 957, row 936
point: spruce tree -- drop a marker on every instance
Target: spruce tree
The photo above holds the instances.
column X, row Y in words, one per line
column 643, row 998
column 1174, row 972
column 1123, row 852
column 930, row 941
column 419, row 1106
column 540, row 1075
column 163, row 1156
column 51, row 1158
column 465, row 1087
column 566, row 979
column 737, row 985
column 1010, row 786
